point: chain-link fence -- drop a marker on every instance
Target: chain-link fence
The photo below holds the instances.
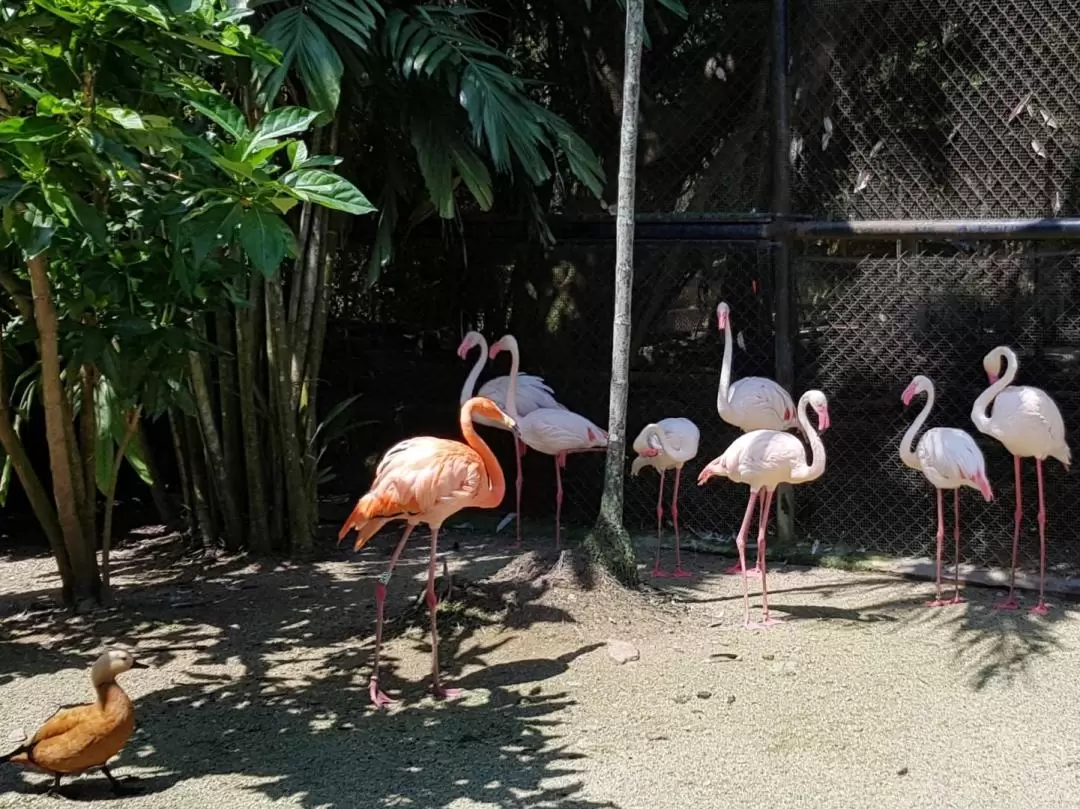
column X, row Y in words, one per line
column 915, row 109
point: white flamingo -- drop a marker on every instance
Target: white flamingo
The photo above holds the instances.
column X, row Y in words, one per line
column 751, row 403
column 764, row 459
column 668, row 444
column 533, row 394
column 1029, row 424
column 950, row 459
column 553, row 431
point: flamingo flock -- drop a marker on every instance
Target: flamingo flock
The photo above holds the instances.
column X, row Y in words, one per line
column 426, row 479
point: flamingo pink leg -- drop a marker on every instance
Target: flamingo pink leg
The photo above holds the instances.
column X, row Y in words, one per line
column 658, row 572
column 740, row 543
column 519, row 451
column 1042, row 607
column 766, row 622
column 737, row 568
column 433, row 608
column 377, row 696
column 956, row 599
column 938, row 601
column 679, row 572
column 1010, row 601
column 560, row 461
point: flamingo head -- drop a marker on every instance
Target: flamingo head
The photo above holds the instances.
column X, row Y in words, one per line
column 723, row 315
column 992, row 365
column 820, row 405
column 470, row 341
column 718, row 468
column 505, row 343
column 482, row 406
column 919, row 384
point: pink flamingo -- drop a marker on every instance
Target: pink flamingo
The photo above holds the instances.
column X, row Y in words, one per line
column 950, row 459
column 668, row 444
column 1029, row 424
column 426, row 480
column 556, row 432
column 751, row 403
column 533, row 394
column 764, row 459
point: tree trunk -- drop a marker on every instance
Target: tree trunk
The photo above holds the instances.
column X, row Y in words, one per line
column 211, row 439
column 258, row 528
column 609, row 541
column 200, row 486
column 157, row 487
column 186, row 495
column 278, row 355
column 231, row 431
column 132, row 419
column 88, row 427
column 32, row 486
column 83, row 504
column 86, row 586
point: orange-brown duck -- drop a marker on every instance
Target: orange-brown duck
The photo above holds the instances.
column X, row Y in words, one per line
column 74, row 740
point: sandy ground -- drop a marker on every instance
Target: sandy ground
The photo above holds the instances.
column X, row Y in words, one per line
column 257, row 695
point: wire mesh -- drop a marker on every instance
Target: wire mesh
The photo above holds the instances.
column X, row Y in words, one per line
column 867, row 326
column 935, row 108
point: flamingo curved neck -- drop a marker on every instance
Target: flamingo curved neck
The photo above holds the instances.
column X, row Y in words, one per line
column 470, row 381
column 723, row 403
column 806, row 473
column 496, row 479
column 907, row 445
column 658, row 434
column 982, row 421
column 511, row 391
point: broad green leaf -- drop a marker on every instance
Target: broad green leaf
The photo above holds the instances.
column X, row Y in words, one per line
column 128, row 119
column 675, row 7
column 279, row 123
column 64, row 14
column 327, row 189
column 104, row 445
column 282, row 32
column 57, row 199
column 32, row 130
column 320, row 68
column 50, row 105
column 214, row 229
column 210, row 103
column 141, row 9
column 88, row 217
column 297, row 152
column 33, row 230
column 10, row 190
column 265, row 238
column 207, row 44
column 32, row 156
column 473, row 171
column 5, row 477
column 284, row 204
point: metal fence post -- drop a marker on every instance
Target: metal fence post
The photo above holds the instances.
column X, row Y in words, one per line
column 783, row 289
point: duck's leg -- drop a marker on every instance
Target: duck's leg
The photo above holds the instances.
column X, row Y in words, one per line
column 114, row 782
column 54, row 788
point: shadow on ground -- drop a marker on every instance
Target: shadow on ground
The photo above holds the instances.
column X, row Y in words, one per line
column 270, row 685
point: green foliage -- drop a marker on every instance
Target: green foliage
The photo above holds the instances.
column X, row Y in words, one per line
column 150, row 193
column 428, row 73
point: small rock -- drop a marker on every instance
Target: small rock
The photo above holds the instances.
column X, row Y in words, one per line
column 731, row 699
column 656, row 737
column 17, row 735
column 622, row 652
column 704, row 694
column 902, row 771
column 682, row 699
column 768, row 657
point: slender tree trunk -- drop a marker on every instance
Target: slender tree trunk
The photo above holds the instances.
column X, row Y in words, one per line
column 278, row 354
column 32, row 486
column 88, row 427
column 86, row 585
column 131, row 427
column 83, row 504
column 175, row 426
column 200, row 484
column 231, row 431
column 609, row 541
column 230, row 516
column 258, row 528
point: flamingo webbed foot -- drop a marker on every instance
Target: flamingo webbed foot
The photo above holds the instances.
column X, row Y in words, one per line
column 659, row 573
column 442, row 692
column 378, row 698
column 765, row 623
column 681, row 573
column 1042, row 608
column 1008, row 604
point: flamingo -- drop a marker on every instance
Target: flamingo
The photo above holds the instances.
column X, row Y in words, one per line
column 764, row 459
column 751, row 403
column 534, row 394
column 426, row 480
column 1029, row 425
column 668, row 444
column 553, row 431
column 950, row 459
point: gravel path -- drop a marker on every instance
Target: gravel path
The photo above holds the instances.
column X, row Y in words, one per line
column 257, row 695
